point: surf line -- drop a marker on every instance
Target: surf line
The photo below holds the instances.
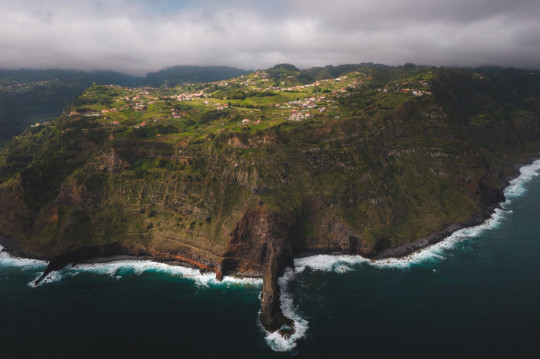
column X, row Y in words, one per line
column 327, row 262
column 201, row 266
column 72, row 258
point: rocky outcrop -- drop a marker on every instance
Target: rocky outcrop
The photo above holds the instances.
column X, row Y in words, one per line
column 60, row 261
column 109, row 162
column 260, row 246
column 271, row 316
column 113, row 250
column 262, row 239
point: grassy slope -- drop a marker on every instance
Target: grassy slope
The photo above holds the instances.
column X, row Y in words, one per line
column 30, row 96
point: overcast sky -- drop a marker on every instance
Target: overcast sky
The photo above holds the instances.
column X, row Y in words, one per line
column 137, row 36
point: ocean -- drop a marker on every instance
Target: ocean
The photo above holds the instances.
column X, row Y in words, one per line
column 474, row 295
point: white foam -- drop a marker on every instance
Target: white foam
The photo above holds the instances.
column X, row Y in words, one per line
column 49, row 278
column 118, row 269
column 338, row 264
column 6, row 260
column 436, row 252
column 275, row 340
column 328, row 263
column 345, row 263
column 516, row 187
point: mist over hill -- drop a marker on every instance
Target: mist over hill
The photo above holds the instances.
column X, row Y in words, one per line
column 176, row 75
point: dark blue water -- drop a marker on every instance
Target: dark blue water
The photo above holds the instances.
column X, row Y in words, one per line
column 477, row 296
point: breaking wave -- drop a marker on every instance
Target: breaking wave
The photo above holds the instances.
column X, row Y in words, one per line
column 49, row 278
column 7, row 260
column 436, row 252
column 347, row 263
column 516, row 186
column 326, row 263
column 118, row 269
column 275, row 340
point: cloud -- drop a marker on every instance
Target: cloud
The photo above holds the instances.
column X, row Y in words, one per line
column 140, row 36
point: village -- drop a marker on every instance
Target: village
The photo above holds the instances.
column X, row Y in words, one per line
column 263, row 102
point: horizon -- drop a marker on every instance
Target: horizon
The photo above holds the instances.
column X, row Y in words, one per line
column 142, row 76
column 142, row 36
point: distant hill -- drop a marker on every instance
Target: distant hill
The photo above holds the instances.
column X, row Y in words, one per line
column 27, row 75
column 177, row 75
column 288, row 72
column 30, row 96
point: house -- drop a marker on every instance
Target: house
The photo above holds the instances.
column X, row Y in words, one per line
column 245, row 121
column 142, row 124
column 296, row 117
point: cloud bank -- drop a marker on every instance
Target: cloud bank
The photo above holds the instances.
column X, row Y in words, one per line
column 138, row 36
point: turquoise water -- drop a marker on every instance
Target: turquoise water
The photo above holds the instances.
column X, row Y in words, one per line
column 475, row 295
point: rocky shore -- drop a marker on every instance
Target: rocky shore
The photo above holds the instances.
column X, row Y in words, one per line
column 273, row 263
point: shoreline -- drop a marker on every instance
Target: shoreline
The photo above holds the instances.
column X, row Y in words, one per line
column 116, row 258
column 424, row 243
column 285, row 341
column 13, row 250
column 420, row 244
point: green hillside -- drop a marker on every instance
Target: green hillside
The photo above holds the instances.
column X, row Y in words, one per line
column 31, row 96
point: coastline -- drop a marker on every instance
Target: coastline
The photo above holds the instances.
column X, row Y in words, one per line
column 142, row 260
column 423, row 243
column 116, row 252
column 488, row 211
column 123, row 254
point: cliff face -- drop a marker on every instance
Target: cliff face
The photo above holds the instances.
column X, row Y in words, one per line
column 366, row 180
column 263, row 240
